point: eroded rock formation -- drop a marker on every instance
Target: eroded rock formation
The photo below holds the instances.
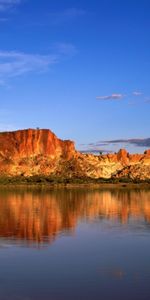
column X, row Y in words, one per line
column 31, row 142
column 39, row 152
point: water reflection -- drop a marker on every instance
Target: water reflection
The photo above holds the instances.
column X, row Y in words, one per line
column 40, row 216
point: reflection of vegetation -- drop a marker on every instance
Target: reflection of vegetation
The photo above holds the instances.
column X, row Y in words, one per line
column 52, row 180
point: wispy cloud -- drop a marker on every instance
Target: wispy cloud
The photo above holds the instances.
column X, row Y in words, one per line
column 115, row 145
column 8, row 4
column 65, row 49
column 13, row 63
column 145, row 142
column 66, row 15
column 17, row 63
column 94, row 148
column 111, row 97
column 95, row 151
column 137, row 93
column 134, row 95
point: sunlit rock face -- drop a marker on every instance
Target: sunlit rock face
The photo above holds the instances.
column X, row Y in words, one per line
column 29, row 152
column 117, row 165
column 39, row 152
column 31, row 142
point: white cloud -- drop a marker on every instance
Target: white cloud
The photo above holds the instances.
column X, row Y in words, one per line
column 18, row 63
column 110, row 97
column 65, row 49
column 15, row 63
column 137, row 93
column 7, row 4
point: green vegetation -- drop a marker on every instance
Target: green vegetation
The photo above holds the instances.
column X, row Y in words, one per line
column 57, row 180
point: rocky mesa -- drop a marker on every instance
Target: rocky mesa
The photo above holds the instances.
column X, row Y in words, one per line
column 39, row 152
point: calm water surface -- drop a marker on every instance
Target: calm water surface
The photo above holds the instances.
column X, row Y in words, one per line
column 66, row 245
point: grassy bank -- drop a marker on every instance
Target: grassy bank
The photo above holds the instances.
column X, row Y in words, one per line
column 59, row 181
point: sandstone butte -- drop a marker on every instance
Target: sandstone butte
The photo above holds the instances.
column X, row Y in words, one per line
column 39, row 152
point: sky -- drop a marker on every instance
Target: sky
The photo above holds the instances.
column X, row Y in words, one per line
column 80, row 68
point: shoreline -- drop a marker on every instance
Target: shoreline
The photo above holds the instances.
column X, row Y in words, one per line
column 55, row 182
column 67, row 186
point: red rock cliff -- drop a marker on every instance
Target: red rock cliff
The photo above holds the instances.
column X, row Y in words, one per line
column 39, row 152
column 31, row 142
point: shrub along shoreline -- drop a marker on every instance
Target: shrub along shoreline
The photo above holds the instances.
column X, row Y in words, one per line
column 38, row 180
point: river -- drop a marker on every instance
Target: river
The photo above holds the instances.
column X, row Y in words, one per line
column 74, row 244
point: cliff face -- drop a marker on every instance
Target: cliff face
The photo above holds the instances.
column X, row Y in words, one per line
column 31, row 142
column 117, row 165
column 32, row 152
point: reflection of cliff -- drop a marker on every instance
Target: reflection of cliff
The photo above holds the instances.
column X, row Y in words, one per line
column 41, row 216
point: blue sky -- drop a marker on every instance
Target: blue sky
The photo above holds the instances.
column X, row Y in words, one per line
column 80, row 68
